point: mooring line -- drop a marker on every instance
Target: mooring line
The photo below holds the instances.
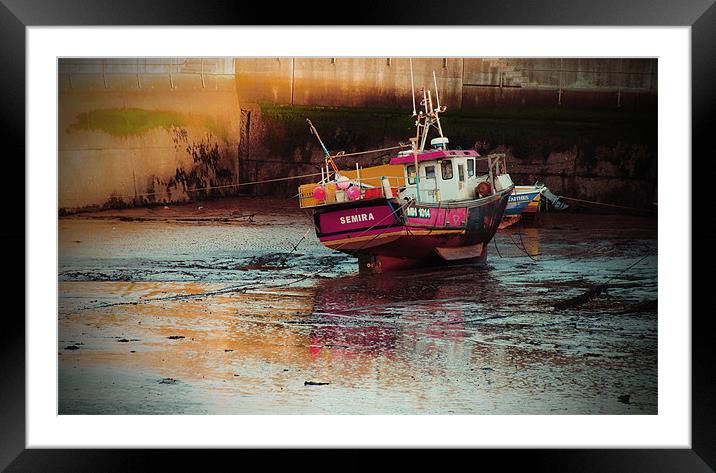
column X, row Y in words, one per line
column 244, row 288
column 176, row 297
column 371, row 151
column 608, row 205
column 519, row 232
column 241, row 184
column 226, row 186
column 303, row 278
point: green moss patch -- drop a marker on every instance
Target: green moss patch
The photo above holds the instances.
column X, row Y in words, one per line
column 126, row 121
column 217, row 129
column 549, row 130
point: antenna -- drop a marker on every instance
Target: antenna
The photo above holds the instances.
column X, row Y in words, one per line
column 315, row 132
column 328, row 159
column 437, row 96
column 412, row 85
column 439, row 109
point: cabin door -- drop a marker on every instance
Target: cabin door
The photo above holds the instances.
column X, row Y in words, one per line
column 428, row 183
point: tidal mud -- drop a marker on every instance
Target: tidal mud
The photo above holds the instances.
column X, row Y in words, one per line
column 196, row 309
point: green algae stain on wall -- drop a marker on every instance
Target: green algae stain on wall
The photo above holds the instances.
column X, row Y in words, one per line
column 217, row 129
column 122, row 122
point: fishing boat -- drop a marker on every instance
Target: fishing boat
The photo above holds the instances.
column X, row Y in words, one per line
column 525, row 203
column 424, row 207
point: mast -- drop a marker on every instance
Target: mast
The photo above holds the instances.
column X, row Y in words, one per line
column 437, row 97
column 412, row 86
column 327, row 159
column 414, row 141
column 428, row 118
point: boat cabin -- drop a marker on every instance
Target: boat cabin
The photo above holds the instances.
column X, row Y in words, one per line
column 447, row 175
column 443, row 176
column 425, row 176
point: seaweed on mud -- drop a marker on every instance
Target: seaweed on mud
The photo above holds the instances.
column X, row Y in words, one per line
column 647, row 305
column 114, row 202
column 591, row 293
column 273, row 261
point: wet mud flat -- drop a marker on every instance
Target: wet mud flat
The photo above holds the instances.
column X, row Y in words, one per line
column 234, row 307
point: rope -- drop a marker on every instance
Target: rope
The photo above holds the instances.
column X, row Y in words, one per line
column 512, row 240
column 249, row 286
column 607, row 205
column 494, row 240
column 408, row 202
column 628, row 268
column 144, row 194
column 519, row 232
column 370, row 151
column 285, row 258
column 595, row 290
column 225, row 186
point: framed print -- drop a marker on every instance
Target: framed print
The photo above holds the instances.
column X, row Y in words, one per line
column 441, row 232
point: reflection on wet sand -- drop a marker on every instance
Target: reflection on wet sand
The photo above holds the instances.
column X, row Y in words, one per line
column 459, row 340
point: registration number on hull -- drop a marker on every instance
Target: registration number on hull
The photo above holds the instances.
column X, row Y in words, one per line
column 418, row 212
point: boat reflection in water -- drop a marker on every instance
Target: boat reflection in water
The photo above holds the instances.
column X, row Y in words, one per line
column 374, row 314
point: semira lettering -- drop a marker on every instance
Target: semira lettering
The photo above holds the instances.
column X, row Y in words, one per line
column 356, row 218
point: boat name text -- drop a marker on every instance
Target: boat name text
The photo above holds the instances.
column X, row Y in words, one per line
column 356, row 218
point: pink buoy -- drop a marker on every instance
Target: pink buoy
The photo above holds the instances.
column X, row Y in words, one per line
column 343, row 182
column 353, row 193
column 319, row 193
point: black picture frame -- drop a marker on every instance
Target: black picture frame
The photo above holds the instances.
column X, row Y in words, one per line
column 700, row 15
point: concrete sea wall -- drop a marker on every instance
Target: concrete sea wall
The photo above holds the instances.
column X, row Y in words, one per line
column 158, row 130
column 466, row 84
column 144, row 131
column 585, row 127
column 591, row 156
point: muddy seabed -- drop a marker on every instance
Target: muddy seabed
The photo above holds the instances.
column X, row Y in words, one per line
column 204, row 309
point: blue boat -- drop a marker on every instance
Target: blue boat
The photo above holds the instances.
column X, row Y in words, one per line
column 525, row 202
column 524, row 199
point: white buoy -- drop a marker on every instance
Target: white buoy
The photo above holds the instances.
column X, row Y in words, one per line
column 387, row 191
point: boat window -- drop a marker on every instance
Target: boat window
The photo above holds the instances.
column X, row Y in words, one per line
column 430, row 172
column 411, row 174
column 461, row 172
column 446, row 169
column 470, row 167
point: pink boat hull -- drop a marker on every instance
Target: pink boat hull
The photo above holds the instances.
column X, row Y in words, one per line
column 385, row 235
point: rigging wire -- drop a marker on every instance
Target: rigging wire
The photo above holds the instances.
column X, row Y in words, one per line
column 607, row 205
column 343, row 155
column 279, row 179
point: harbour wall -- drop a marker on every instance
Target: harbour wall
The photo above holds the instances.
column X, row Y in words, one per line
column 146, row 131
column 466, row 84
column 159, row 130
column 585, row 127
